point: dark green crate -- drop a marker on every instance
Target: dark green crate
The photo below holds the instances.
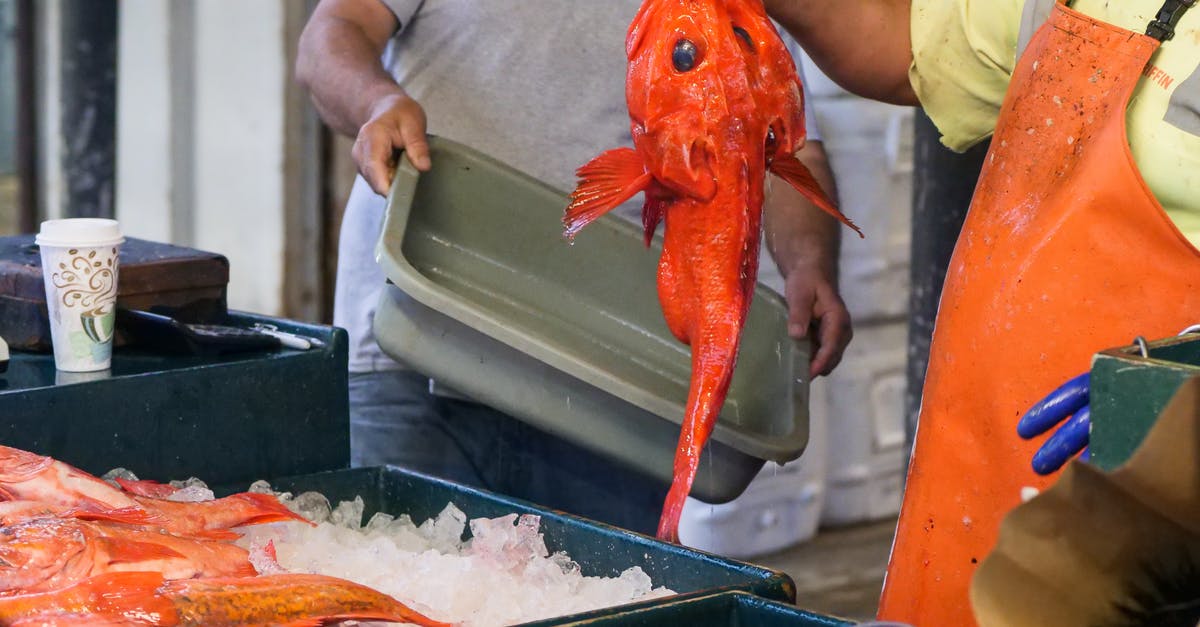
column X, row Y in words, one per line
column 729, row 609
column 599, row 549
column 1128, row 391
column 225, row 419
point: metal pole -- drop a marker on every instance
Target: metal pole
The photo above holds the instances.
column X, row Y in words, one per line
column 943, row 183
column 89, row 106
column 27, row 119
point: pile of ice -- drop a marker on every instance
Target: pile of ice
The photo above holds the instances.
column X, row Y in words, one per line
column 502, row 575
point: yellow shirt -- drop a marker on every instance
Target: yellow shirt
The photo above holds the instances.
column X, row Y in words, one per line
column 964, row 52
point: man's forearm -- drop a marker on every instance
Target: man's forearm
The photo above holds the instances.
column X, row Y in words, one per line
column 338, row 61
column 863, row 45
column 798, row 232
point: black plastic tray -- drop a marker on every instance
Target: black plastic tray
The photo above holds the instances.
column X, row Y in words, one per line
column 226, row 418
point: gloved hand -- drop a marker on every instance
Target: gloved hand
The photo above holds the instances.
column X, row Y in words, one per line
column 1069, row 401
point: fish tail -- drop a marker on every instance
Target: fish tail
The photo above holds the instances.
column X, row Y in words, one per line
column 263, row 508
column 289, row 599
column 712, row 370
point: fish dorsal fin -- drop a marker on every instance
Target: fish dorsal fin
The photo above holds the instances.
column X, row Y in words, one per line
column 126, row 515
column 791, row 170
column 604, row 183
column 146, row 487
column 17, row 465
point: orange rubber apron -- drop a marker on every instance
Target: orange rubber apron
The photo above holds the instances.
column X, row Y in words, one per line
column 1064, row 252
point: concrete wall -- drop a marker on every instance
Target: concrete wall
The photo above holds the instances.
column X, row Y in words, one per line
column 200, row 135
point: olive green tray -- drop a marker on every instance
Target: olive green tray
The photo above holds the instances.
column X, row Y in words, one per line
column 491, row 301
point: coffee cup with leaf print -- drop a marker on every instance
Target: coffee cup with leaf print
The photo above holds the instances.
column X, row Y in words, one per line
column 79, row 269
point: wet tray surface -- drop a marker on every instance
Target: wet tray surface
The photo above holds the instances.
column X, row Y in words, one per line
column 490, row 300
column 600, row 550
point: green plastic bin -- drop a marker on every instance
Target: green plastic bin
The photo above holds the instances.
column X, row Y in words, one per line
column 728, row 609
column 491, row 301
column 1128, row 391
column 600, row 550
column 235, row 417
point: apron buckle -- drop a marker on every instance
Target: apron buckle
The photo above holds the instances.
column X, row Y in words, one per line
column 1163, row 26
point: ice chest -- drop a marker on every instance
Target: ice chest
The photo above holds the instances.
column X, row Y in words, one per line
column 490, row 300
column 191, row 282
column 599, row 549
column 236, row 417
column 727, row 609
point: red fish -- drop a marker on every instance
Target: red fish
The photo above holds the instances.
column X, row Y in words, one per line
column 299, row 600
column 49, row 553
column 13, row 512
column 113, row 599
column 714, row 103
column 28, row 476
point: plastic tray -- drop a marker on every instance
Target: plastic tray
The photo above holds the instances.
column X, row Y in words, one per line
column 727, row 609
column 599, row 549
column 492, row 301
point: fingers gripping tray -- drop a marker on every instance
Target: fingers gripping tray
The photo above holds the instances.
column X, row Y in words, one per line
column 490, row 300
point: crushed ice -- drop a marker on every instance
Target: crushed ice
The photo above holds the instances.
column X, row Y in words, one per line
column 502, row 574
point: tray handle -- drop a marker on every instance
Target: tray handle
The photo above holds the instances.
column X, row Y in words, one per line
column 395, row 218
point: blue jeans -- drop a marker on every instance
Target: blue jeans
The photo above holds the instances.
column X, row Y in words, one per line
column 395, row 420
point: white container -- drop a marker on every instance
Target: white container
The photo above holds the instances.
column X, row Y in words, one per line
column 865, row 415
column 780, row 508
column 79, row 269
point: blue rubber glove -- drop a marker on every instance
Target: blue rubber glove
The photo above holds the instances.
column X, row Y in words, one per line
column 1068, row 403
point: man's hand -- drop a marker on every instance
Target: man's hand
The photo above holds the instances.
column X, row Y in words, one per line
column 396, row 122
column 816, row 311
column 338, row 61
column 805, row 241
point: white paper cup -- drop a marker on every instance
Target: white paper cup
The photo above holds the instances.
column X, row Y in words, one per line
column 79, row 268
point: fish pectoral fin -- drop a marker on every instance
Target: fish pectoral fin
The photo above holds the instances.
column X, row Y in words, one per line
column 124, row 550
column 797, row 175
column 117, row 596
column 604, row 183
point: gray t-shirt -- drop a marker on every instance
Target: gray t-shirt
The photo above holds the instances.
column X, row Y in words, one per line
column 537, row 84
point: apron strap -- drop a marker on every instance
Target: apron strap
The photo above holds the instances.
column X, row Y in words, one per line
column 1162, row 27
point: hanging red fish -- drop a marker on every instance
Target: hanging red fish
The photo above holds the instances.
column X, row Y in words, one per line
column 714, row 102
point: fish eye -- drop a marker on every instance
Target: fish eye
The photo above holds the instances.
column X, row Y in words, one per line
column 684, row 56
column 771, row 138
column 741, row 32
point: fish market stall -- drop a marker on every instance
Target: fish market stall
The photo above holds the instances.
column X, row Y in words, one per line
column 169, row 408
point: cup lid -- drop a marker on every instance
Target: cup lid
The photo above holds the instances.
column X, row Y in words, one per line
column 80, row 232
